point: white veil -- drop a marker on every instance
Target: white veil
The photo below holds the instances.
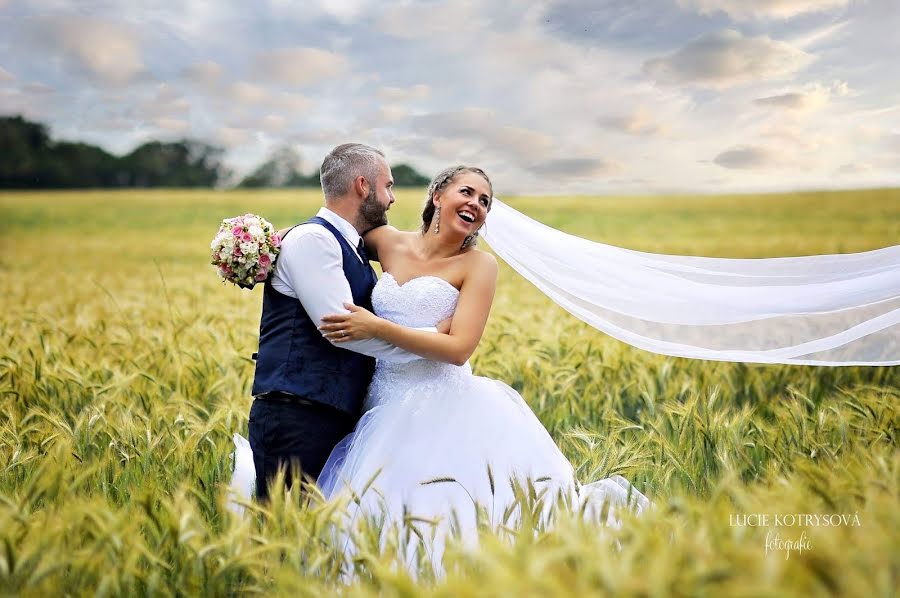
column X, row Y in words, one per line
column 841, row 309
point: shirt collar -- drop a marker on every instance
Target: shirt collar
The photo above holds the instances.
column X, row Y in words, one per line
column 344, row 227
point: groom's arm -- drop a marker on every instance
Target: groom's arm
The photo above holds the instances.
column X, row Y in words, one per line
column 310, row 268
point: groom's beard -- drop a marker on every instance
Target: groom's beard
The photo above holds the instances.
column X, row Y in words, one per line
column 371, row 213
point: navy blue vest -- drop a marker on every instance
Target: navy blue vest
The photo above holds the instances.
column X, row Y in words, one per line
column 294, row 358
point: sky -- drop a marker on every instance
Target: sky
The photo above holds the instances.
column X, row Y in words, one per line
column 567, row 96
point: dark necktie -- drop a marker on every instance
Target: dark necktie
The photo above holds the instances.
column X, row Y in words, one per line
column 361, row 250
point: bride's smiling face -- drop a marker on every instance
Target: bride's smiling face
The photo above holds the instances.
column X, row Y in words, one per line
column 464, row 203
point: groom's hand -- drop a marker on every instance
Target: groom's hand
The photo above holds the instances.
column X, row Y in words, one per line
column 357, row 325
column 443, row 326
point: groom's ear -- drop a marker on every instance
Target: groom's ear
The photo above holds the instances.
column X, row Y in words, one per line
column 361, row 186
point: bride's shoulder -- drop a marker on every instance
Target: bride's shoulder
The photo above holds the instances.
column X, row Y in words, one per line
column 383, row 236
column 481, row 261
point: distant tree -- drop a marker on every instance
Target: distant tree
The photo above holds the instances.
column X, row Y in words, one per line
column 281, row 169
column 185, row 163
column 30, row 159
column 79, row 165
column 407, row 176
column 22, row 145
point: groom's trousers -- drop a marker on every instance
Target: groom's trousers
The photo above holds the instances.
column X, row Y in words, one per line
column 291, row 433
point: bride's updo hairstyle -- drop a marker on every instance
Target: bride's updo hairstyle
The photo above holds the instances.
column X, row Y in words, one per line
column 439, row 183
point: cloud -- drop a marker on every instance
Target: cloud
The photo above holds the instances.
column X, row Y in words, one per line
column 854, row 169
column 250, row 99
column 480, row 126
column 639, row 122
column 891, row 141
column 247, row 93
column 167, row 103
column 172, row 125
column 231, row 137
column 437, row 21
column 748, row 157
column 404, row 94
column 205, row 75
column 106, row 51
column 6, row 76
column 300, row 66
column 744, row 10
column 727, row 58
column 811, row 99
column 576, row 167
column 797, row 138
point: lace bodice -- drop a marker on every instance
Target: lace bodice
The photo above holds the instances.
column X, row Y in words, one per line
column 423, row 301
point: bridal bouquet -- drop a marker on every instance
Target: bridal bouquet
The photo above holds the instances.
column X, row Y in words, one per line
column 244, row 250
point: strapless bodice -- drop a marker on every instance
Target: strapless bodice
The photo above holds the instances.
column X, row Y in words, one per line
column 422, row 302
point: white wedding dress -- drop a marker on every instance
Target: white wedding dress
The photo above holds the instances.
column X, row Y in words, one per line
column 434, row 439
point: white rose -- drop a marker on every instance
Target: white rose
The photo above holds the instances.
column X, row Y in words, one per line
column 256, row 231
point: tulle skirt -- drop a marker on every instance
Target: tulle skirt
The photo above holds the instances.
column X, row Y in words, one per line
column 448, row 456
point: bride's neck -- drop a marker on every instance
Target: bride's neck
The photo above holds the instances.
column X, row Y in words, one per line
column 435, row 246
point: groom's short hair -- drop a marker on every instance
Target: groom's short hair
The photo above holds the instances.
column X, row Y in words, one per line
column 346, row 162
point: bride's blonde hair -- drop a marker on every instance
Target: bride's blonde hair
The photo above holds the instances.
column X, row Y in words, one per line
column 439, row 183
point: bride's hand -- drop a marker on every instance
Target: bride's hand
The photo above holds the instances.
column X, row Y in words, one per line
column 359, row 324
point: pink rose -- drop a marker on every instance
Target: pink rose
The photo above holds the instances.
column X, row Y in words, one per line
column 237, row 230
column 237, row 252
column 261, row 276
column 276, row 240
column 246, row 237
column 264, row 260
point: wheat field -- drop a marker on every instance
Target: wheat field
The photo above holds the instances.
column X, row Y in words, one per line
column 126, row 368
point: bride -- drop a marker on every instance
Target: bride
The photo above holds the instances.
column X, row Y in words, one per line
column 435, row 441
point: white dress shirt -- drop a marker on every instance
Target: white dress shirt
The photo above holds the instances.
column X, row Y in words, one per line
column 310, row 268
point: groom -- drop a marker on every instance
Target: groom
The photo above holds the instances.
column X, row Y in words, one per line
column 309, row 392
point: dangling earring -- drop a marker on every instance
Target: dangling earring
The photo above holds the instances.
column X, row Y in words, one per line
column 437, row 220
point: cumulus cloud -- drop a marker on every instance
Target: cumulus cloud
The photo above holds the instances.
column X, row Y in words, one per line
column 798, row 138
column 300, row 66
column 108, row 52
column 554, row 84
column 854, row 169
column 231, row 137
column 727, row 58
column 748, row 157
column 172, row 125
column 167, row 103
column 250, row 99
column 433, row 20
column 576, row 167
column 206, row 74
column 638, row 122
column 813, row 98
column 480, row 126
column 404, row 94
column 744, row 10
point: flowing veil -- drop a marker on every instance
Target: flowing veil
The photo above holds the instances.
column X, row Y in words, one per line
column 841, row 309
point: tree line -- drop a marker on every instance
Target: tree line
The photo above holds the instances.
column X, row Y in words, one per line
column 30, row 159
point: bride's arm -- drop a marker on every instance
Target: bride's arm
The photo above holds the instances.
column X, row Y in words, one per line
column 380, row 241
column 466, row 328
